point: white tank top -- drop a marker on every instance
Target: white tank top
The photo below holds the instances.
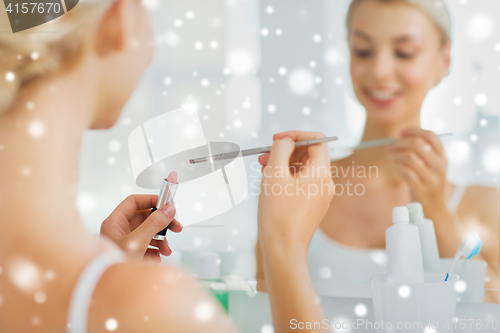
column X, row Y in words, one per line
column 332, row 262
column 84, row 289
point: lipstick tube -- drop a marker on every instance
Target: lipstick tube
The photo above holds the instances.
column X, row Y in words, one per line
column 167, row 195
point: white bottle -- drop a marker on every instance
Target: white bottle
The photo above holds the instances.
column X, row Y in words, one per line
column 208, row 271
column 428, row 242
column 404, row 255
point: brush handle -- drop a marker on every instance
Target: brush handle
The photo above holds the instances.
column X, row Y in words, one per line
column 455, row 260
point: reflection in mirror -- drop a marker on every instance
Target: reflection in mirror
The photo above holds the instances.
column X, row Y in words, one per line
column 396, row 69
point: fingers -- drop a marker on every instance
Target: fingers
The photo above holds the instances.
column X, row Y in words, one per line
column 429, row 136
column 416, row 142
column 419, row 147
column 152, row 255
column 411, row 161
column 318, row 152
column 175, row 226
column 263, row 159
column 133, row 203
column 410, row 176
column 281, row 151
column 162, row 246
column 140, row 238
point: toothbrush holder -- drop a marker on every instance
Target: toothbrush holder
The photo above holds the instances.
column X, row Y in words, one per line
column 472, row 274
column 414, row 307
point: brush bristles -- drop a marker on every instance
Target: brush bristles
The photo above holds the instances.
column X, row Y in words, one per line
column 473, row 246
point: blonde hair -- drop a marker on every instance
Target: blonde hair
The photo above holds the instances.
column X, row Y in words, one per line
column 435, row 9
column 25, row 56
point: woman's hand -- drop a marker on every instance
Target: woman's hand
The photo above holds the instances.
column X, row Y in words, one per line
column 132, row 227
column 421, row 160
column 295, row 194
column 296, row 190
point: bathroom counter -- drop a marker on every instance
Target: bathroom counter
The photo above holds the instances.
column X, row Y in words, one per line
column 252, row 312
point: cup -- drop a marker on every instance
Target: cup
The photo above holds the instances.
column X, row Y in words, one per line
column 414, row 307
column 472, row 273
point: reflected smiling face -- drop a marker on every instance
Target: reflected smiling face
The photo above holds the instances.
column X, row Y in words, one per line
column 397, row 56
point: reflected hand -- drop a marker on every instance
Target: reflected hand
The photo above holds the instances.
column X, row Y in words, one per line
column 132, row 227
column 421, row 160
column 293, row 199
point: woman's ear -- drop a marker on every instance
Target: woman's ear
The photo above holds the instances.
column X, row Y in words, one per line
column 446, row 59
column 110, row 35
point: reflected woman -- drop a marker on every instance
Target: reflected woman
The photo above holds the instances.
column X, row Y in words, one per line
column 399, row 51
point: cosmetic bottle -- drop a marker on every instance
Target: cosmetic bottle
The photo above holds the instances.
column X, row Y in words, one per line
column 428, row 242
column 404, row 254
column 208, row 272
column 235, row 282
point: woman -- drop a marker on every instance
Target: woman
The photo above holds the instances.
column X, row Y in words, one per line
column 56, row 276
column 400, row 49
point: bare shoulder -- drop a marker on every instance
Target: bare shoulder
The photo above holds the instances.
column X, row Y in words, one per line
column 141, row 297
column 482, row 202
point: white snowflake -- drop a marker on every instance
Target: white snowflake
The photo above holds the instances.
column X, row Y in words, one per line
column 480, row 27
column 114, row 146
column 460, row 286
column 491, row 159
column 267, row 329
column 301, row 81
column 151, row 4
column 481, row 99
column 25, row 275
column 241, row 62
column 404, row 291
column 10, row 76
column 214, row 44
column 111, row 324
column 86, row 203
column 197, row 241
column 360, row 310
column 198, row 45
column 26, row 171
column 40, row 297
column 325, row 273
column 204, row 311
column 205, row 83
column 36, row 129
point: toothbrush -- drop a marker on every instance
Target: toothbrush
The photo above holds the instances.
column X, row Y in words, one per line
column 470, row 247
